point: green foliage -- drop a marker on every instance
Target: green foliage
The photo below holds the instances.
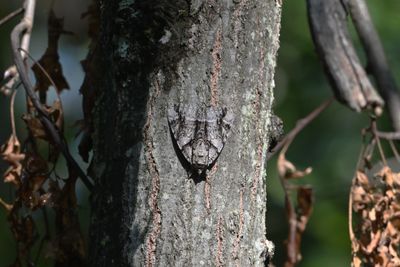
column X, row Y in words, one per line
column 331, row 144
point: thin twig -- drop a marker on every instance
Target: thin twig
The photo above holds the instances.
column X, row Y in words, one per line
column 377, row 61
column 388, row 135
column 28, row 21
column 300, row 125
column 12, row 117
column 11, row 15
column 48, row 125
column 11, row 74
column 373, row 129
column 395, row 152
column 350, row 217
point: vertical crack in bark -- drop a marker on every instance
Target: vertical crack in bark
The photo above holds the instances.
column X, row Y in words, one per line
column 236, row 18
column 155, row 183
column 207, row 192
column 236, row 245
column 207, row 188
column 259, row 132
column 219, row 259
column 216, row 67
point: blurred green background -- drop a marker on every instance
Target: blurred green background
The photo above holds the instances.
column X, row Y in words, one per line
column 330, row 145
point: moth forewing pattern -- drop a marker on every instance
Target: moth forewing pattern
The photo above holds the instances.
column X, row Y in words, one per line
column 200, row 132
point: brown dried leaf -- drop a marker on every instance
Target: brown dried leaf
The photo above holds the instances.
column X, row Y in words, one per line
column 50, row 60
column 35, row 164
column 362, row 179
column 287, row 170
column 395, row 221
column 56, row 114
column 372, row 215
column 305, row 206
column 360, row 198
column 375, row 237
column 391, row 230
column 35, row 126
column 11, row 153
column 396, row 179
column 386, row 175
column 356, row 262
column 378, row 210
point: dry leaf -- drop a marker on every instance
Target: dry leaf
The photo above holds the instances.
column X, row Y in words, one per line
column 11, row 153
column 287, row 169
column 376, row 207
column 35, row 126
column 50, row 60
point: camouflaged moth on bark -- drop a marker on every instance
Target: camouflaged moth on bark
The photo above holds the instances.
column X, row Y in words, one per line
column 200, row 132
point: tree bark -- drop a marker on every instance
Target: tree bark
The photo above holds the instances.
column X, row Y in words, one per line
column 146, row 209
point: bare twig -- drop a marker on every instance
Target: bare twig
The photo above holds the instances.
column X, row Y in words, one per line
column 332, row 39
column 12, row 117
column 377, row 61
column 28, row 22
column 11, row 15
column 378, row 142
column 11, row 74
column 300, row 125
column 350, row 219
column 395, row 152
column 388, row 135
column 51, row 129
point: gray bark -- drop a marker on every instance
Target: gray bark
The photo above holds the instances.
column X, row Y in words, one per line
column 146, row 209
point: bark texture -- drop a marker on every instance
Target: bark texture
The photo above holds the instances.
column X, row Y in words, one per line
column 146, row 210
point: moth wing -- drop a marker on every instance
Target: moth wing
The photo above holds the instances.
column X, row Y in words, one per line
column 173, row 119
column 187, row 152
column 183, row 125
column 185, row 133
column 187, row 125
column 214, row 133
column 213, row 154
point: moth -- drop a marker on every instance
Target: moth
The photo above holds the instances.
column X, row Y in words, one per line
column 200, row 132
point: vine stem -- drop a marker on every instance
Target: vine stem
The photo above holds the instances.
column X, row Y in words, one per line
column 53, row 132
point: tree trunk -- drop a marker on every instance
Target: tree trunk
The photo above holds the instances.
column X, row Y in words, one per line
column 147, row 209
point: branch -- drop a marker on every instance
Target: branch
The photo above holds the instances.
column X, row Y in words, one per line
column 349, row 80
column 388, row 135
column 377, row 61
column 11, row 15
column 11, row 73
column 25, row 27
